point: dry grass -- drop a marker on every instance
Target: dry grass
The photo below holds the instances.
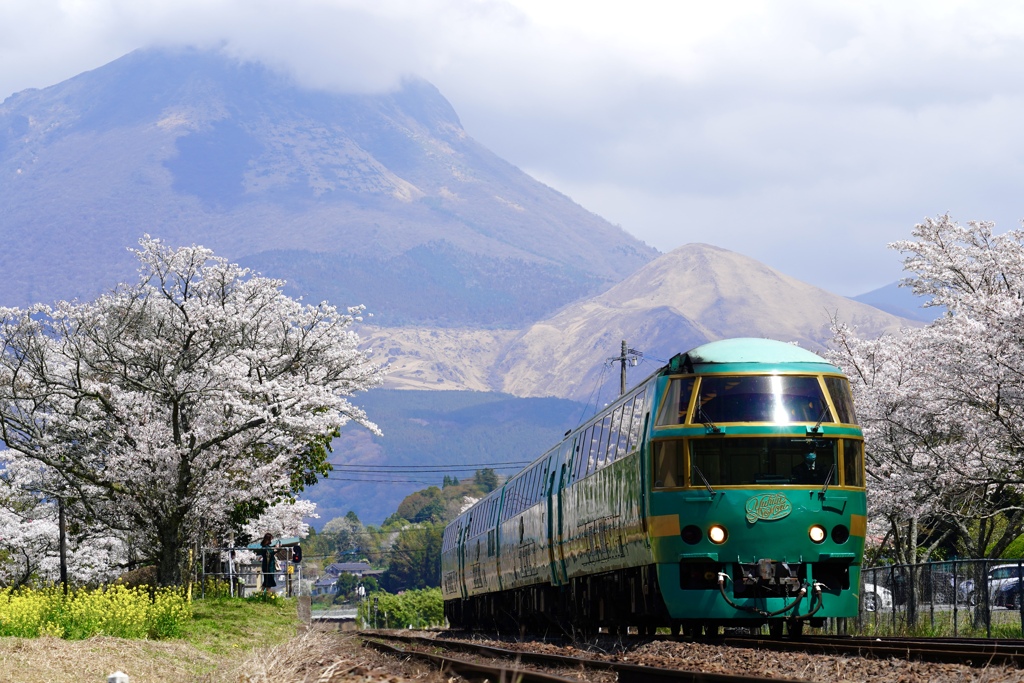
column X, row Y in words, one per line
column 318, row 656
column 51, row 660
column 302, row 658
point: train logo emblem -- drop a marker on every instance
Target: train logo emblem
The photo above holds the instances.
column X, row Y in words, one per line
column 767, row 506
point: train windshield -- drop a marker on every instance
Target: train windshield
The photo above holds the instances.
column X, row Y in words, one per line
column 743, row 461
column 758, row 398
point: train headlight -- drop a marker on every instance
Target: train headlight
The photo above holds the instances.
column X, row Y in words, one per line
column 817, row 533
column 717, row 534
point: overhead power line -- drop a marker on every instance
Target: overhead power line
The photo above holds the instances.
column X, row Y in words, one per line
column 385, row 481
column 413, row 472
column 441, row 466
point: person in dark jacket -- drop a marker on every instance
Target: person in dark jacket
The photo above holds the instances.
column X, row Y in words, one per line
column 268, row 562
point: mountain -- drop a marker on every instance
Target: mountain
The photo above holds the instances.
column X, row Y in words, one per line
column 900, row 301
column 694, row 294
column 378, row 199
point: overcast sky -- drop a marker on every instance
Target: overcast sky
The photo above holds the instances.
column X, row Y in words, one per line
column 806, row 133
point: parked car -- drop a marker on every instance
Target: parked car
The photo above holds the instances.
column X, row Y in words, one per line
column 936, row 586
column 875, row 598
column 1008, row 594
column 1003, row 584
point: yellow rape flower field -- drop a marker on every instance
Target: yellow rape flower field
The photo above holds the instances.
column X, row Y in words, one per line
column 45, row 637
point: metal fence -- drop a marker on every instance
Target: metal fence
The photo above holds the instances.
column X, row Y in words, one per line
column 234, row 572
column 957, row 597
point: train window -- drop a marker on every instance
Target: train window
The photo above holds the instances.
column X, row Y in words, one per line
column 625, row 429
column 601, row 450
column 853, row 462
column 677, row 402
column 565, row 457
column 758, row 398
column 668, row 414
column 668, row 464
column 617, row 440
column 763, row 460
column 582, row 452
column 510, row 501
column 842, row 399
column 635, row 423
column 590, row 449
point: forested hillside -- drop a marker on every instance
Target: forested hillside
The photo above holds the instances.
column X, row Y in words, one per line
column 428, row 435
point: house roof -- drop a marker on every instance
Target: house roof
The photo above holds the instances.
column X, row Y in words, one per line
column 285, row 542
column 347, row 568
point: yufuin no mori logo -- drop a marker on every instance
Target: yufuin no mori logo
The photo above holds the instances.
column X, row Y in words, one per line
column 767, row 506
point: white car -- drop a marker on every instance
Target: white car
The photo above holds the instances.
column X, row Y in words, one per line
column 1001, row 580
column 874, row 598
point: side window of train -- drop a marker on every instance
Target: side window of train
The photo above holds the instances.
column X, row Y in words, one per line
column 531, row 484
column 636, row 428
column 629, row 424
column 582, row 452
column 839, row 389
column 607, row 453
column 506, row 507
column 617, row 448
column 853, row 462
column 565, row 457
column 597, row 446
column 676, row 402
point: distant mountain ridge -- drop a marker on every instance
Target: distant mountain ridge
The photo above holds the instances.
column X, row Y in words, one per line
column 382, row 199
column 694, row 294
column 893, row 298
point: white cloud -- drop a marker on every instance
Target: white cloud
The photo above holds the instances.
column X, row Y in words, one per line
column 772, row 121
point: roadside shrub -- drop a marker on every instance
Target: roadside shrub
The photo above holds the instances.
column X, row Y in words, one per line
column 415, row 608
column 112, row 611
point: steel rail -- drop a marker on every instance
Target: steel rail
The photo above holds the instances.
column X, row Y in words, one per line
column 946, row 651
column 626, row 673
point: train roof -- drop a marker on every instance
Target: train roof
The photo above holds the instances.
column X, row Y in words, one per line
column 748, row 354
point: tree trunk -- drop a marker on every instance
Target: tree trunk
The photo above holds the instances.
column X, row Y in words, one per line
column 168, row 568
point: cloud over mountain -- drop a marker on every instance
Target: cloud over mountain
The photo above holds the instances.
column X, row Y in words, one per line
column 379, row 199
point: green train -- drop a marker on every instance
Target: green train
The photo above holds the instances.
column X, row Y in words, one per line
column 726, row 489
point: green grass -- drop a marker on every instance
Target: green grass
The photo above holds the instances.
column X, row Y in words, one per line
column 225, row 626
column 219, row 640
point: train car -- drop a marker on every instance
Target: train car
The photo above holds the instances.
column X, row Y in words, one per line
column 725, row 489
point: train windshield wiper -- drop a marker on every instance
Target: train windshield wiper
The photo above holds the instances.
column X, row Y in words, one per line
column 706, row 421
column 828, row 478
column 704, row 479
column 821, row 418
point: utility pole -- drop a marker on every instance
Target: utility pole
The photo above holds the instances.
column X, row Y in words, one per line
column 627, row 355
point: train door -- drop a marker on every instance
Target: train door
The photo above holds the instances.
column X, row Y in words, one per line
column 461, row 537
column 556, row 501
column 645, row 464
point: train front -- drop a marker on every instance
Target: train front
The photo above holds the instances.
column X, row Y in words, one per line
column 757, row 506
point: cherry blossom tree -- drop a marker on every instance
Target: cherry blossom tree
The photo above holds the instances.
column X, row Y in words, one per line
column 976, row 362
column 29, row 536
column 942, row 405
column 285, row 518
column 182, row 403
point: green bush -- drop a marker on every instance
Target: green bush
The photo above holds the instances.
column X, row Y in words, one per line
column 112, row 611
column 415, row 608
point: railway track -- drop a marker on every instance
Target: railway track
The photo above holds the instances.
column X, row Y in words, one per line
column 972, row 652
column 500, row 665
column 976, row 653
